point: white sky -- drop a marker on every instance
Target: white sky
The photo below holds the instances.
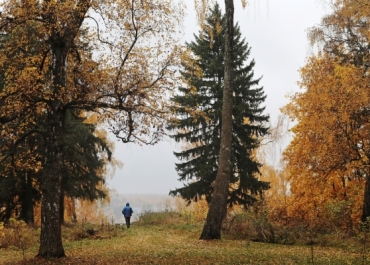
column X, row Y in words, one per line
column 276, row 31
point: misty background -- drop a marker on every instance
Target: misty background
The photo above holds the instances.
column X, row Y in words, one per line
column 277, row 34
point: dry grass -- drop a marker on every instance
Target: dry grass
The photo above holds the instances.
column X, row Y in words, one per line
column 176, row 242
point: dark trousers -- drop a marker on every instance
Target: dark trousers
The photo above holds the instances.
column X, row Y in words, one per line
column 127, row 221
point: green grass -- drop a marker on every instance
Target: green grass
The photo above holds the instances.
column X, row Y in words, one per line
column 177, row 243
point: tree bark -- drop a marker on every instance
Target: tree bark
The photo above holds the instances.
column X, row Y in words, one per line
column 60, row 42
column 51, row 186
column 218, row 206
column 51, row 183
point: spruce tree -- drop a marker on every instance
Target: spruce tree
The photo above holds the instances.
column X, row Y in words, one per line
column 82, row 178
column 198, row 107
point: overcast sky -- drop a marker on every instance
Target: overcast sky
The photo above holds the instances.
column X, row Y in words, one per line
column 276, row 31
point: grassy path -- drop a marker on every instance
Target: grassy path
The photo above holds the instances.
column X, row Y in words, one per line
column 159, row 244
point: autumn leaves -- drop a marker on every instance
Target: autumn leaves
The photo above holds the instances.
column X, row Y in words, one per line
column 328, row 159
column 113, row 60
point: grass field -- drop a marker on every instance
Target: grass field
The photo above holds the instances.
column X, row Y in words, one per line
column 162, row 243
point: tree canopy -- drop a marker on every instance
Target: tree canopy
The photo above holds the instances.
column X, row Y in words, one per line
column 113, row 58
column 328, row 159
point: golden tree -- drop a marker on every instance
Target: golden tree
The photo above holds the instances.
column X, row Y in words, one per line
column 330, row 150
column 114, row 58
column 328, row 159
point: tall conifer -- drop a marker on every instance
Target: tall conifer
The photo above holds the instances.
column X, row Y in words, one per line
column 198, row 109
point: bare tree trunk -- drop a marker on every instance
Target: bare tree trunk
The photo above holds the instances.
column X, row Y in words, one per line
column 51, row 183
column 51, row 187
column 218, row 205
column 51, row 236
column 60, row 41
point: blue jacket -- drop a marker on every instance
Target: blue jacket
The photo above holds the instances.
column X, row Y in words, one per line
column 127, row 211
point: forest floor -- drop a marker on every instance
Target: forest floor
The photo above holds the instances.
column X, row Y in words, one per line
column 178, row 244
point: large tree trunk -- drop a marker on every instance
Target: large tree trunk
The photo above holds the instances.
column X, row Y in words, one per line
column 60, row 41
column 51, row 186
column 51, row 236
column 51, row 183
column 218, row 205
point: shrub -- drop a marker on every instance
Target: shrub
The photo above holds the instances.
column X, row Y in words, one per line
column 17, row 234
column 160, row 218
column 257, row 227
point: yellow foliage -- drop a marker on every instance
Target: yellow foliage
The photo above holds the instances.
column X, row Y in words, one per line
column 90, row 212
column 116, row 59
column 201, row 8
column 200, row 209
column 197, row 210
column 69, row 209
column 17, row 234
column 328, row 158
column 326, row 150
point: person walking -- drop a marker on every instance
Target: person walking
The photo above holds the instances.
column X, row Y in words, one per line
column 127, row 213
